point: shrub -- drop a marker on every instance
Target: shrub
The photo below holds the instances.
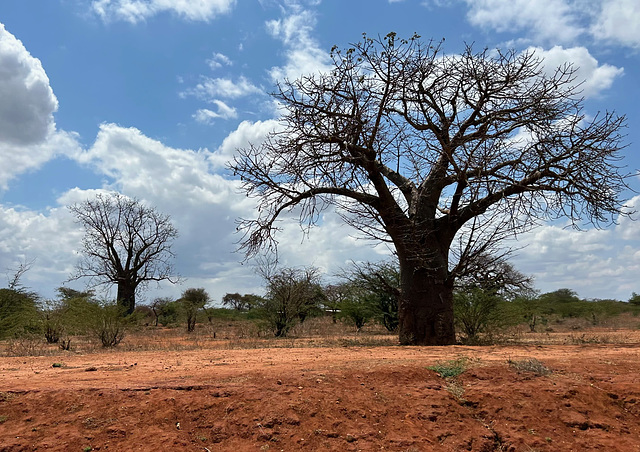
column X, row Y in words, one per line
column 109, row 323
column 357, row 309
column 18, row 313
column 450, row 369
column 531, row 365
column 475, row 312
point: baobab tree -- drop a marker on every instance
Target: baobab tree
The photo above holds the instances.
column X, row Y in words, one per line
column 415, row 147
column 125, row 243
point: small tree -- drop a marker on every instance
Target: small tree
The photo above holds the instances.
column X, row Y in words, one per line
column 357, row 307
column 560, row 296
column 108, row 324
column 126, row 243
column 157, row 307
column 494, row 274
column 18, row 313
column 192, row 301
column 475, row 312
column 635, row 299
column 18, row 306
column 381, row 281
column 292, row 295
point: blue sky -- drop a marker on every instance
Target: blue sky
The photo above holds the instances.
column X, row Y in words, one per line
column 151, row 97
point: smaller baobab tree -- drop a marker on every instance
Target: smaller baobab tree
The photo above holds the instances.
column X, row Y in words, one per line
column 125, row 243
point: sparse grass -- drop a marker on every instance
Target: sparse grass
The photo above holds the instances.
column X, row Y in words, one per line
column 531, row 365
column 27, row 346
column 590, row 338
column 3, row 419
column 452, row 368
column 315, row 332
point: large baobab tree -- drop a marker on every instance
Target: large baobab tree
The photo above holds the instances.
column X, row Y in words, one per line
column 413, row 147
column 125, row 243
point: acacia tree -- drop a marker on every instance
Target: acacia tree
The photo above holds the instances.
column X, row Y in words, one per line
column 411, row 146
column 240, row 302
column 192, row 301
column 494, row 275
column 292, row 295
column 125, row 243
column 382, row 281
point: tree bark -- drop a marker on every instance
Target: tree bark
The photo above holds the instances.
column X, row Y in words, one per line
column 127, row 296
column 425, row 310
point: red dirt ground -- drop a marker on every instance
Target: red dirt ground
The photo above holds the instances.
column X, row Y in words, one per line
column 339, row 399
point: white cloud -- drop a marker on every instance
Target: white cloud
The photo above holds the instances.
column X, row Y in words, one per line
column 559, row 21
column 28, row 136
column 18, row 159
column 596, row 77
column 596, row 263
column 618, row 21
column 629, row 227
column 49, row 240
column 211, row 88
column 302, row 52
column 143, row 167
column 135, row 11
column 547, row 20
column 218, row 60
column 206, row 116
column 247, row 133
column 27, row 101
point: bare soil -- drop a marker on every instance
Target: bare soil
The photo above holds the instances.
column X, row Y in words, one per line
column 338, row 398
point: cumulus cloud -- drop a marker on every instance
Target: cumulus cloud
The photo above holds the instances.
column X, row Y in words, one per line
column 245, row 134
column 143, row 167
column 17, row 159
column 594, row 76
column 28, row 136
column 564, row 21
column 206, row 116
column 28, row 102
column 135, row 11
column 596, row 263
column 49, row 239
column 302, row 51
column 548, row 20
column 618, row 21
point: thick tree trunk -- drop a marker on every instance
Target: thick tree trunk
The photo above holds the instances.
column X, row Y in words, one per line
column 425, row 310
column 127, row 296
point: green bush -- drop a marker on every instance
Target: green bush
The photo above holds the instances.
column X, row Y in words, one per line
column 18, row 313
column 357, row 310
column 451, row 368
column 109, row 323
column 476, row 312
